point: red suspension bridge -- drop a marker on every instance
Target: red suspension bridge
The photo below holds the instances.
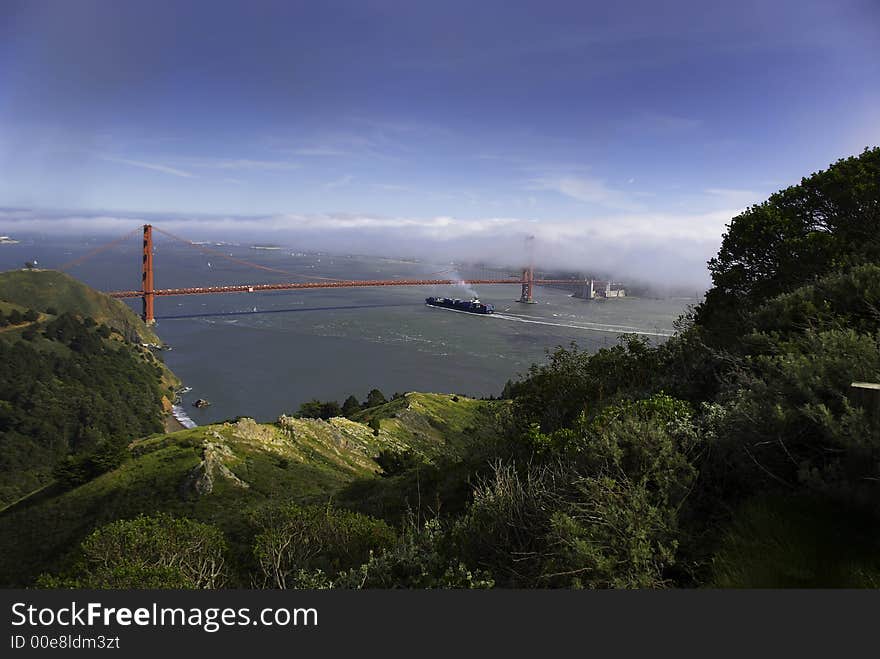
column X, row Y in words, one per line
column 148, row 292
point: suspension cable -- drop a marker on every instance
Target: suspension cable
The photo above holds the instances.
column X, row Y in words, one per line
column 98, row 250
column 208, row 250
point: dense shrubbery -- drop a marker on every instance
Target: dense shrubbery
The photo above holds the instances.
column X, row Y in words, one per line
column 74, row 402
column 148, row 552
column 293, row 542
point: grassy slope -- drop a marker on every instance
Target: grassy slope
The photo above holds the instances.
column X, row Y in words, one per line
column 297, row 459
column 41, row 289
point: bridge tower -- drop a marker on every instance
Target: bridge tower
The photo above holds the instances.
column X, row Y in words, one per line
column 528, row 281
column 147, row 277
column 528, row 275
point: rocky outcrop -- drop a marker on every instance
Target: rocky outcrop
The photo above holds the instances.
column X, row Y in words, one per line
column 200, row 479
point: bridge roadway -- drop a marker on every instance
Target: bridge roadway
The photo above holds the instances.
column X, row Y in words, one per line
column 252, row 288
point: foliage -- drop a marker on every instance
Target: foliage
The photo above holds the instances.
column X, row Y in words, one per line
column 350, row 406
column 787, row 422
column 56, row 291
column 419, row 559
column 374, row 399
column 573, row 382
column 397, row 462
column 316, row 409
column 603, row 513
column 160, row 551
column 829, row 222
column 74, row 400
column 634, row 471
column 293, row 539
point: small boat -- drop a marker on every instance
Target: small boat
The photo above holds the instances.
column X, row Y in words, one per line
column 201, row 402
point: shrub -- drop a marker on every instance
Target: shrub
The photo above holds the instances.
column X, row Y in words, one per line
column 293, row 540
column 149, row 552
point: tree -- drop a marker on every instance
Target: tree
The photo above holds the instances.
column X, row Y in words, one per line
column 375, row 398
column 830, row 221
column 310, row 409
column 330, row 409
column 395, row 462
column 316, row 409
column 350, row 406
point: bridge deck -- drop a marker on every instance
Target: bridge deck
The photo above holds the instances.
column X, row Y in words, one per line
column 252, row 288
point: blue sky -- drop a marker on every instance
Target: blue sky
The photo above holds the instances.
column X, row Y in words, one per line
column 635, row 124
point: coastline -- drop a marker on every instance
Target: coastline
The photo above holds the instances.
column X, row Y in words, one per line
column 181, row 417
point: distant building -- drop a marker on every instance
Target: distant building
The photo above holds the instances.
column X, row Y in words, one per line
column 597, row 289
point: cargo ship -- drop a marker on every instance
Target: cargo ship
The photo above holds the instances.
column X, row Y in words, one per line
column 469, row 306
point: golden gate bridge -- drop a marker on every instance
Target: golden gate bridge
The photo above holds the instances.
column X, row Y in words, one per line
column 148, row 293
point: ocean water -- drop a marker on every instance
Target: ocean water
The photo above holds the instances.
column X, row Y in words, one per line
column 263, row 354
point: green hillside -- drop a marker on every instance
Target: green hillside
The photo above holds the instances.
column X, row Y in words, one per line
column 50, row 289
column 76, row 385
column 222, row 473
column 432, row 425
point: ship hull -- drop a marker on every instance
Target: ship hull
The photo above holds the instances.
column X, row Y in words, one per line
column 467, row 306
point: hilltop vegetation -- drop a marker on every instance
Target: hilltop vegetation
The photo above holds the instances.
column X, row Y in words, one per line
column 49, row 289
column 731, row 455
column 73, row 390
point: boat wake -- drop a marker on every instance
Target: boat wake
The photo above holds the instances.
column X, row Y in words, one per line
column 588, row 327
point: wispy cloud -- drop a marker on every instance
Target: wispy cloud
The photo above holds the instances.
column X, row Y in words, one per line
column 338, row 183
column 659, row 124
column 156, row 167
column 243, row 164
column 585, row 188
column 734, row 196
column 319, row 151
column 367, row 141
column 390, row 187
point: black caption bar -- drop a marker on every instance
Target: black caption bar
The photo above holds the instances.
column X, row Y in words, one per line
column 408, row 623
